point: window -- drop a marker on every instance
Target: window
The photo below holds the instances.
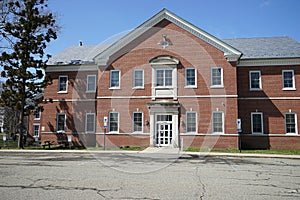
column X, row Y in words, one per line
column 37, row 113
column 291, row 123
column 137, row 122
column 191, row 122
column 90, row 123
column 60, row 122
column 164, row 78
column 255, row 80
column 91, row 83
column 190, row 77
column 62, row 84
column 138, row 78
column 36, row 130
column 113, row 122
column 115, row 79
column 217, row 122
column 217, row 77
column 288, row 79
column 257, row 123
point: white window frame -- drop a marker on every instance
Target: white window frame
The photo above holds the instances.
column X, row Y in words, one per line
column 134, row 131
column 37, row 110
column 296, row 124
column 61, row 131
column 59, row 82
column 250, row 80
column 86, row 122
column 88, row 90
column 134, row 79
column 262, row 123
column 293, row 77
column 211, row 78
column 38, row 135
column 223, row 122
column 186, row 122
column 186, row 82
column 164, row 78
column 110, row 122
column 110, row 79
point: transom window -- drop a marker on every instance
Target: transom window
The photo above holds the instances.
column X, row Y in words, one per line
column 217, row 77
column 115, row 79
column 164, row 78
column 114, row 122
column 217, row 122
column 138, row 78
column 257, row 123
column 288, row 79
column 191, row 122
column 60, row 122
column 137, row 122
column 90, row 123
column 291, row 123
column 91, row 83
column 190, row 77
column 62, row 84
column 37, row 113
column 255, row 80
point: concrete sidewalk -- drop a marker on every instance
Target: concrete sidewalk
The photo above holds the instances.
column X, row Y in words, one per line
column 163, row 152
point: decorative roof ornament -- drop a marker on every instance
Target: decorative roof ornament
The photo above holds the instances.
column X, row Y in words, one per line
column 165, row 42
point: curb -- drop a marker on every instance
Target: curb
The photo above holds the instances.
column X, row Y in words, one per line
column 180, row 153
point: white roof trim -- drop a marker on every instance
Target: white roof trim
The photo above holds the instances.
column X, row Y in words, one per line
column 164, row 60
column 268, row 62
column 229, row 52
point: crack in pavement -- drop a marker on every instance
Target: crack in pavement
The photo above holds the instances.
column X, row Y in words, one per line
column 201, row 184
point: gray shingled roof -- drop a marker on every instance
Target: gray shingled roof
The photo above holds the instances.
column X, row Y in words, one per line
column 272, row 47
column 252, row 48
column 77, row 54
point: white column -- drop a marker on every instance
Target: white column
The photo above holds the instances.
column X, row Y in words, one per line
column 175, row 130
column 152, row 129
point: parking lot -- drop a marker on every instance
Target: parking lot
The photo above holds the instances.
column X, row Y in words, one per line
column 91, row 175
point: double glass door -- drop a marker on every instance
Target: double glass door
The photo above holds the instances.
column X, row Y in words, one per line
column 163, row 130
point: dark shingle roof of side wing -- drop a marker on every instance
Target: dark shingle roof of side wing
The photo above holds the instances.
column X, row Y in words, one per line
column 272, row 47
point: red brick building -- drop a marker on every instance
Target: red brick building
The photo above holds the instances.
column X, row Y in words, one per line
column 169, row 83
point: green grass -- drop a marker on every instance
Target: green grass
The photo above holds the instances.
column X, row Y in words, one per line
column 281, row 152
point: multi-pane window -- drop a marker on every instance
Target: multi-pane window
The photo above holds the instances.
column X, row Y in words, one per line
column 113, row 122
column 114, row 79
column 137, row 122
column 91, row 83
column 36, row 130
column 190, row 77
column 37, row 113
column 255, row 80
column 90, row 123
column 62, row 83
column 138, row 78
column 164, row 78
column 217, row 122
column 290, row 123
column 60, row 122
column 191, row 122
column 257, row 123
column 217, row 77
column 288, row 79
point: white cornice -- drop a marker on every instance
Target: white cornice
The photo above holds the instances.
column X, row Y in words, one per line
column 229, row 52
column 71, row 68
column 268, row 62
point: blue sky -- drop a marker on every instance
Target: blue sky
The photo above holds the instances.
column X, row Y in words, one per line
column 94, row 21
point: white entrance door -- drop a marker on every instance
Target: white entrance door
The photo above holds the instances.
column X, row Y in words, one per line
column 164, row 130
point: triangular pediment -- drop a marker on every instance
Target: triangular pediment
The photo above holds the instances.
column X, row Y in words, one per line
column 230, row 53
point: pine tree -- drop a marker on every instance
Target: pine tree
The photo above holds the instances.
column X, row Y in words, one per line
column 28, row 27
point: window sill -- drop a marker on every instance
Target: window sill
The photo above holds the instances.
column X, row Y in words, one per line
column 190, row 87
column 218, row 133
column 114, row 88
column 255, row 89
column 90, row 91
column 62, row 92
column 289, row 89
column 291, row 134
column 257, row 133
column 138, row 88
column 60, row 131
column 217, row 86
